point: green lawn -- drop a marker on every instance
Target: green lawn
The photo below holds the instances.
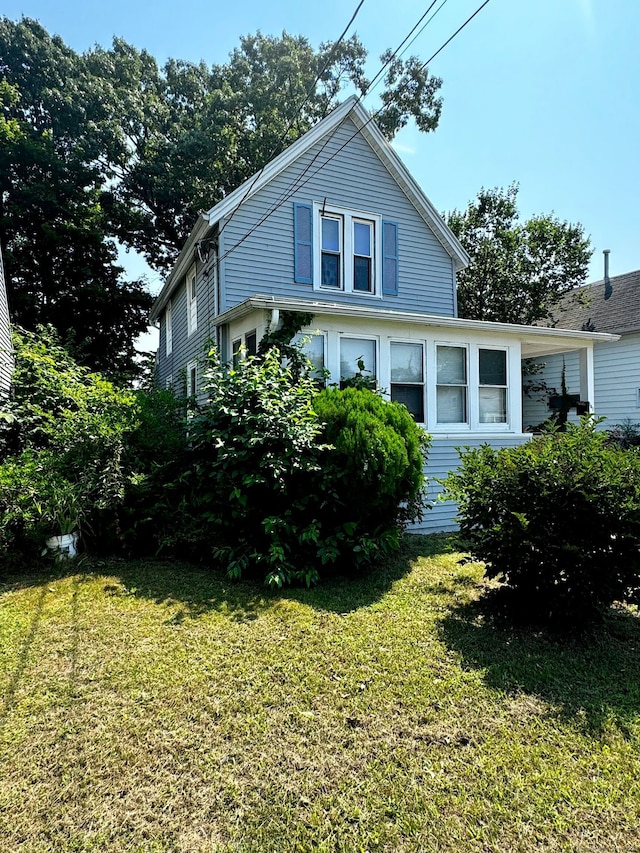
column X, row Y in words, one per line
column 157, row 707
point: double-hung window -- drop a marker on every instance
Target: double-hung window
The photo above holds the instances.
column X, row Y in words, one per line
column 349, row 252
column 407, row 377
column 357, row 358
column 192, row 304
column 192, row 378
column 451, row 385
column 313, row 347
column 492, row 381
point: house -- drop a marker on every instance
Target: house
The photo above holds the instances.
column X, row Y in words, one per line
column 336, row 226
column 608, row 305
column 6, row 360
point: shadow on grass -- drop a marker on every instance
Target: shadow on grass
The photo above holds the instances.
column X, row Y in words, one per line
column 198, row 589
column 592, row 679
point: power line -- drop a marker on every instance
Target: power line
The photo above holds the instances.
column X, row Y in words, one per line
column 296, row 185
column 276, row 149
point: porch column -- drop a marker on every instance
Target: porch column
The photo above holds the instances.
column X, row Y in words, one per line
column 587, row 385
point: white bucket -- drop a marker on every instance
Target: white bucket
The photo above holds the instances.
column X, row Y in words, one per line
column 64, row 546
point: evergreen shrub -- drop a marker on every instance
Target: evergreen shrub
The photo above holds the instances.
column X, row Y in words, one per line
column 557, row 519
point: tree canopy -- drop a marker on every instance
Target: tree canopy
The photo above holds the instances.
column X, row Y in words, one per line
column 518, row 271
column 106, row 148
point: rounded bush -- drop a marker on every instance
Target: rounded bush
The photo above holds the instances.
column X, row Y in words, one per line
column 557, row 519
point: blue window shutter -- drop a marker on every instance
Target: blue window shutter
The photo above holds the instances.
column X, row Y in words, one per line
column 303, row 243
column 389, row 257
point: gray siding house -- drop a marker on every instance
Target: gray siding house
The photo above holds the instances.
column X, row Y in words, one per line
column 6, row 360
column 336, row 226
column 608, row 305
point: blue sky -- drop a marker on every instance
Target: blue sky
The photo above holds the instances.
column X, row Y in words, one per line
column 542, row 92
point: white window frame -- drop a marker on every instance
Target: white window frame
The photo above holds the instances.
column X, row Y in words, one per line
column 191, row 283
column 315, row 333
column 473, row 423
column 482, row 425
column 453, row 426
column 423, row 384
column 347, row 218
column 168, row 329
column 376, row 349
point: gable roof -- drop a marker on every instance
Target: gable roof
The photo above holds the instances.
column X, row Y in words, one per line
column 603, row 307
column 367, row 128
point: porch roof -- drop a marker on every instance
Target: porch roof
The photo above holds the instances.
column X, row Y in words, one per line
column 534, row 340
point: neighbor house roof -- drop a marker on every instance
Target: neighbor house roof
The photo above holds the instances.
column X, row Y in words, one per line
column 350, row 108
column 601, row 306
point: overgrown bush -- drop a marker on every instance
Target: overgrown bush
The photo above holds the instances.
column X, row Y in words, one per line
column 74, row 450
column 557, row 519
column 268, row 492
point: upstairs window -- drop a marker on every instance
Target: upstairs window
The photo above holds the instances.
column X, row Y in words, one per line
column 331, row 258
column 363, row 239
column 192, row 304
column 346, row 251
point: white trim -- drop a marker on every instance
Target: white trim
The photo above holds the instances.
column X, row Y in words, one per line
column 191, row 284
column 168, row 329
column 192, row 378
column 347, row 219
column 546, row 340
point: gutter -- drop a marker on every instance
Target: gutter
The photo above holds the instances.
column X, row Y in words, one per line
column 271, row 303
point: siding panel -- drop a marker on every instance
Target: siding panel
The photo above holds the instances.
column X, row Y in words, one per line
column 356, row 179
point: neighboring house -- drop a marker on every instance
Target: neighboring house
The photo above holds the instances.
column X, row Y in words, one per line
column 6, row 359
column 609, row 305
column 336, row 226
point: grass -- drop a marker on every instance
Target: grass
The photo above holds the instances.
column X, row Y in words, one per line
column 157, row 707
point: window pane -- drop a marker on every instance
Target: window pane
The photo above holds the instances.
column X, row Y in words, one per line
column 406, row 363
column 330, row 270
column 413, row 398
column 362, row 238
column 493, row 367
column 353, row 350
column 452, row 366
column 251, row 343
column 331, row 235
column 362, row 274
column 452, row 405
column 493, row 405
column 313, row 348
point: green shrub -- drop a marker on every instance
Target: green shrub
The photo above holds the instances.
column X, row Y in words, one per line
column 79, row 453
column 288, row 483
column 558, row 519
column 376, row 469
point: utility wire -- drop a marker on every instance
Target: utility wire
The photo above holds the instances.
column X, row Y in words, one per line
column 278, row 146
column 297, row 184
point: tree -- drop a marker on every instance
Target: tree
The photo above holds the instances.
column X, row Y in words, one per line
column 181, row 138
column 518, row 272
column 55, row 234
